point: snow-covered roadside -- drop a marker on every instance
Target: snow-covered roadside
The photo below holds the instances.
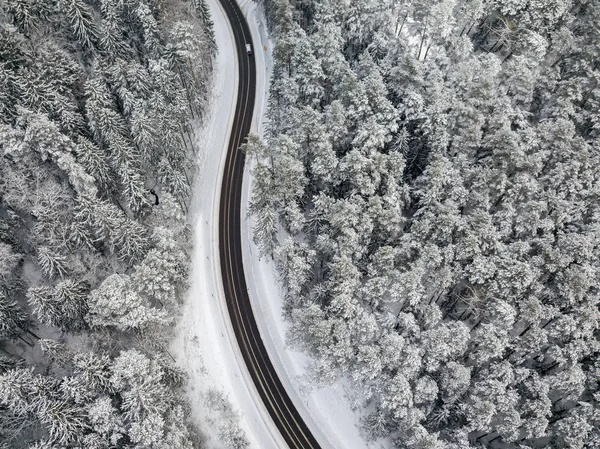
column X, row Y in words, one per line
column 204, row 344
column 327, row 411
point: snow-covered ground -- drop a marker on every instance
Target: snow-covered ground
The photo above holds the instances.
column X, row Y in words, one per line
column 327, row 411
column 204, row 344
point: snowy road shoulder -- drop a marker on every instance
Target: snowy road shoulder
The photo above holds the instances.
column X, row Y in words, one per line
column 204, row 344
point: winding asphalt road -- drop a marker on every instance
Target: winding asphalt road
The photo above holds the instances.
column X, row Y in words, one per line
column 280, row 407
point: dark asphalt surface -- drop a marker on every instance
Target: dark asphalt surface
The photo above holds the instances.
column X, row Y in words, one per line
column 280, row 407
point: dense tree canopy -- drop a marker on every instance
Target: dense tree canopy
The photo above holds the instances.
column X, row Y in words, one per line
column 98, row 100
column 428, row 186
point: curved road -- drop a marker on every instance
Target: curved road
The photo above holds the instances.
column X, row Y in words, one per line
column 280, row 407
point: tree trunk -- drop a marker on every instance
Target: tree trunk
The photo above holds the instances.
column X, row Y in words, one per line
column 551, row 320
column 482, row 40
column 491, row 50
column 422, row 41
column 187, row 92
column 189, row 134
column 508, row 354
column 476, row 325
column 450, row 309
column 427, row 51
column 551, row 367
column 482, row 436
column 462, row 316
column 558, row 417
column 25, row 341
column 185, row 144
column 471, row 28
column 525, row 331
column 30, row 332
column 121, row 206
column 510, row 53
column 403, row 22
column 183, row 204
column 8, row 354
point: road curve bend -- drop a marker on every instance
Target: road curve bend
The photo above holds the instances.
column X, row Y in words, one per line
column 270, row 389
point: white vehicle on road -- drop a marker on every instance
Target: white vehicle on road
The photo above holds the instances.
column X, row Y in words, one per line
column 249, row 49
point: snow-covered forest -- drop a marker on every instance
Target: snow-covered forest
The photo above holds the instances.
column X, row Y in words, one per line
column 98, row 101
column 429, row 189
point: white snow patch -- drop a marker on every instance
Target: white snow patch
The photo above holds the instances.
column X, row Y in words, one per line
column 327, row 411
column 204, row 344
